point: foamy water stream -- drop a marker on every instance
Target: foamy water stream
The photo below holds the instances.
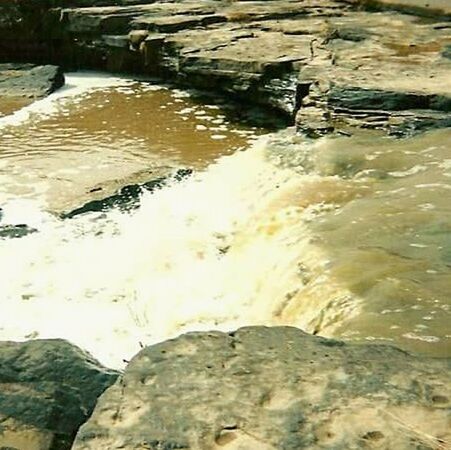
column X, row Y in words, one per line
column 336, row 237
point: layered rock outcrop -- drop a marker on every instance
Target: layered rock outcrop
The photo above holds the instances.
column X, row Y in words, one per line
column 272, row 388
column 48, row 388
column 329, row 63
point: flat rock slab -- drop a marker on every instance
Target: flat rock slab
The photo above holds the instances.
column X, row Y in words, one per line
column 272, row 389
column 334, row 62
column 48, row 388
column 28, row 80
column 127, row 197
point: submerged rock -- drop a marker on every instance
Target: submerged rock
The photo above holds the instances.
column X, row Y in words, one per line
column 128, row 197
column 272, row 388
column 48, row 388
column 16, row 231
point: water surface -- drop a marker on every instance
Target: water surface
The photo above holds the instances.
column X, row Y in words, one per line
column 343, row 236
column 107, row 132
column 385, row 231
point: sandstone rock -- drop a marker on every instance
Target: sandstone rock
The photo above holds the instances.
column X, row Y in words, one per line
column 28, row 80
column 48, row 388
column 272, row 388
column 136, row 37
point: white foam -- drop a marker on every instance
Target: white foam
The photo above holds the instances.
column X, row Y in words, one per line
column 214, row 251
column 218, row 250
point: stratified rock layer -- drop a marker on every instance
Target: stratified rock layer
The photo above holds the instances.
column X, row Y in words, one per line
column 272, row 388
column 328, row 63
column 48, row 388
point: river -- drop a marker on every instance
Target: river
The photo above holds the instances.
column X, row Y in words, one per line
column 347, row 237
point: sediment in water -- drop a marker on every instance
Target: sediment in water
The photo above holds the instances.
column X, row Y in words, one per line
column 320, row 82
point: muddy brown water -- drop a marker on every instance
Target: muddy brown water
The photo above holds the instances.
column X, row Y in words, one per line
column 386, row 235
column 109, row 137
column 345, row 237
column 9, row 105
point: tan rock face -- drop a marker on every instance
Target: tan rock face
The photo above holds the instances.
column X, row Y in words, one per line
column 272, row 388
column 19, row 436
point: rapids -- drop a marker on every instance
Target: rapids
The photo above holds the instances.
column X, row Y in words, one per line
column 345, row 236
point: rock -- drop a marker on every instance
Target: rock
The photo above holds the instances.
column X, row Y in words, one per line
column 272, row 388
column 28, row 80
column 386, row 70
column 11, row 231
column 48, row 388
column 135, row 37
column 127, row 197
column 16, row 231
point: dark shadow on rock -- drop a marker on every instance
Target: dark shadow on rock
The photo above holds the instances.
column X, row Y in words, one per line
column 48, row 388
column 127, row 198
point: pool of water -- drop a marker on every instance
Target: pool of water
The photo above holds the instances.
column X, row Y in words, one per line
column 102, row 132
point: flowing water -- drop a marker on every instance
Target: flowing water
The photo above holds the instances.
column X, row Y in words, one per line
column 346, row 237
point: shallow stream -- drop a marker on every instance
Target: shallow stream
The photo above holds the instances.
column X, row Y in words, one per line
column 347, row 236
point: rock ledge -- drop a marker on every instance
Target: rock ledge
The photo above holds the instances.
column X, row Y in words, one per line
column 272, row 389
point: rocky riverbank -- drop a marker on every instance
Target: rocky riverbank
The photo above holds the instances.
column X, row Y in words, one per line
column 256, row 388
column 326, row 64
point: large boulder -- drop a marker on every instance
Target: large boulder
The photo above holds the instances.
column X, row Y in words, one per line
column 272, row 388
column 48, row 388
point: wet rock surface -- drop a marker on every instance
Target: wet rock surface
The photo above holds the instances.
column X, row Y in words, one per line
column 330, row 63
column 28, row 80
column 48, row 388
column 272, row 388
column 127, row 197
column 15, row 231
